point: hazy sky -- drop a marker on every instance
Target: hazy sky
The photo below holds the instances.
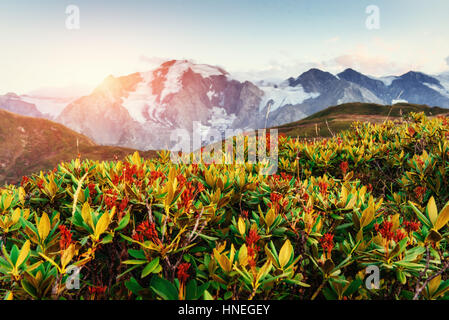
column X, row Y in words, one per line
column 256, row 38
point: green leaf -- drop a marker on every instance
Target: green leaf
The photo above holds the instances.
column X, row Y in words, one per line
column 123, row 223
column 134, row 261
column 150, row 267
column 192, row 290
column 138, row 254
column 107, row 239
column 208, row 296
column 419, row 214
column 164, row 288
column 401, row 276
column 133, row 286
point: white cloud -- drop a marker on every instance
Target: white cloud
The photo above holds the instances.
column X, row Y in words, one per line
column 332, row 40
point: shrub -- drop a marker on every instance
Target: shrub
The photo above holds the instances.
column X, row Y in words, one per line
column 151, row 229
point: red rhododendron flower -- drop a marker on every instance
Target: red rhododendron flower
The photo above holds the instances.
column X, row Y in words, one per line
column 123, row 204
column 66, row 237
column 97, row 290
column 25, row 180
column 411, row 226
column 251, row 240
column 147, row 231
column 40, row 183
column 344, row 167
column 399, row 235
column 419, row 193
column 323, row 187
column 182, row 272
column 92, row 190
column 327, row 243
column 386, row 231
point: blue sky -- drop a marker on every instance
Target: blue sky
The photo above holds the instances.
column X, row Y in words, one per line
column 252, row 38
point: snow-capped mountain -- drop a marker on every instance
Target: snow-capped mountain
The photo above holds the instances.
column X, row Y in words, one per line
column 141, row 110
column 353, row 86
column 414, row 87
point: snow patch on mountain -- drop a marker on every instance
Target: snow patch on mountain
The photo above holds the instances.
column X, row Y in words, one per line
column 220, row 119
column 444, row 81
column 387, row 80
column 366, row 95
column 173, row 82
column 283, row 94
column 443, row 91
column 140, row 99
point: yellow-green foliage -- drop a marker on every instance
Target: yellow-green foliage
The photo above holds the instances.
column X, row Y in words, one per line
column 151, row 229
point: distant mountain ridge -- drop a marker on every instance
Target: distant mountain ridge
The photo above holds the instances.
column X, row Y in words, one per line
column 141, row 110
column 28, row 145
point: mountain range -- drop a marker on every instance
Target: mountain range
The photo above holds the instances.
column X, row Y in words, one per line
column 141, row 110
column 29, row 144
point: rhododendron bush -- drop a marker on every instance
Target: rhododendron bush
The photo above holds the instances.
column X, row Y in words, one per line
column 375, row 195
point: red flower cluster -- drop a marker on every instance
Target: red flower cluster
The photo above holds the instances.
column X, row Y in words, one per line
column 444, row 119
column 40, row 183
column 110, row 198
column 327, row 242
column 419, row 193
column 131, row 175
column 66, row 237
column 252, row 238
column 411, row 226
column 187, row 195
column 156, row 175
column 323, row 187
column 339, row 141
column 399, row 235
column 25, row 180
column 97, row 290
column 123, row 204
column 411, row 131
column 147, row 231
column 284, row 176
column 251, row 241
column 344, row 167
column 182, row 272
column 275, row 197
column 245, row 214
column 385, row 230
column 92, row 190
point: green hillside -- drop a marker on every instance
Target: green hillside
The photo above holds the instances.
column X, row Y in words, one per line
column 342, row 116
column 29, row 145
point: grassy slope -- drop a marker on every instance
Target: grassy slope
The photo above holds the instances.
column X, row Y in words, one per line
column 28, row 145
column 341, row 117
